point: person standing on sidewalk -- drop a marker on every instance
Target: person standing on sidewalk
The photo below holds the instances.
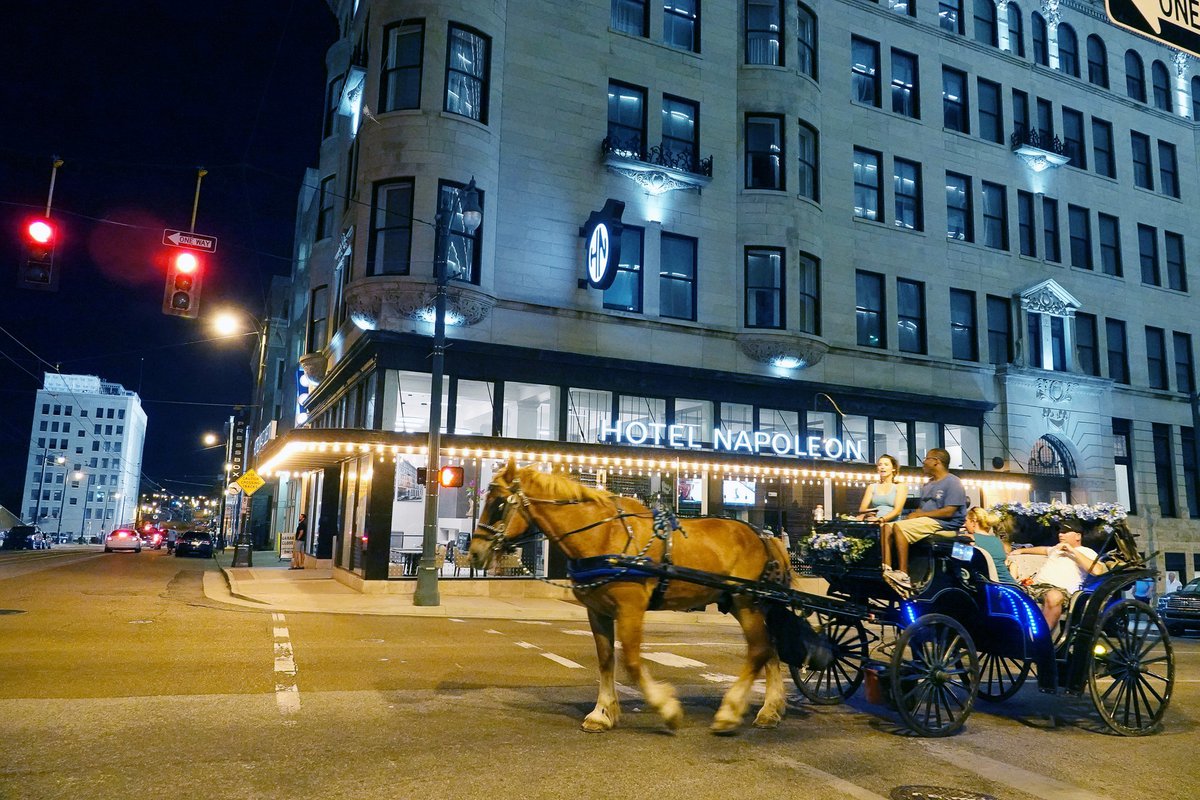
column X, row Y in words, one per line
column 298, row 545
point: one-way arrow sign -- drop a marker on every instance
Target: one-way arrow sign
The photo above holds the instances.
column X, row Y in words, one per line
column 194, row 241
column 1175, row 23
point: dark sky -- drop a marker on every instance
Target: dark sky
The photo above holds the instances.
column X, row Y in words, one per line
column 134, row 96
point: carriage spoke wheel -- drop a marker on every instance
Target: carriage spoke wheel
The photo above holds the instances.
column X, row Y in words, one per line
column 934, row 675
column 1000, row 677
column 1132, row 668
column 844, row 674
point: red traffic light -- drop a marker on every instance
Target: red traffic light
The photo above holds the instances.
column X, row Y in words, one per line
column 186, row 262
column 185, row 274
column 40, row 232
column 449, row 477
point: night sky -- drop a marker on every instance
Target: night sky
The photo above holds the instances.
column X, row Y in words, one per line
column 134, row 96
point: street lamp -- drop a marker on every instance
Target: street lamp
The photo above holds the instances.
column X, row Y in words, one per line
column 37, row 511
column 426, row 593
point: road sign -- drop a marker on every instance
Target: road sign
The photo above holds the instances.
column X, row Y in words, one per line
column 195, row 241
column 251, row 482
column 1174, row 24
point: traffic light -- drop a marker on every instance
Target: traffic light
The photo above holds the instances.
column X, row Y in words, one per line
column 449, row 477
column 37, row 270
column 184, row 276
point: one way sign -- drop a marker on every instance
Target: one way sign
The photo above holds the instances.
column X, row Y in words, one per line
column 195, row 241
column 1175, row 23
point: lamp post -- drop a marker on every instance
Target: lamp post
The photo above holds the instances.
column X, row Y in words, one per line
column 426, row 593
column 37, row 511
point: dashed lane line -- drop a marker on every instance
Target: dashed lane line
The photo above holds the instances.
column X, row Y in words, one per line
column 557, row 659
column 287, row 692
column 1013, row 776
column 672, row 660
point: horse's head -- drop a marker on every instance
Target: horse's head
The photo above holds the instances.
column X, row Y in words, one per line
column 504, row 517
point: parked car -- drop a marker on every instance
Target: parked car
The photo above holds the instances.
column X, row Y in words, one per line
column 152, row 537
column 194, row 543
column 25, row 537
column 123, row 539
column 1181, row 609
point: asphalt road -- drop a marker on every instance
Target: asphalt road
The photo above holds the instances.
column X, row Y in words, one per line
column 119, row 679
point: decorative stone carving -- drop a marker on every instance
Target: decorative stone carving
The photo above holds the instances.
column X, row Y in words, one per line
column 1058, row 417
column 785, row 349
column 1055, row 390
column 1051, row 14
column 1048, row 297
column 1181, row 60
column 392, row 303
column 314, row 366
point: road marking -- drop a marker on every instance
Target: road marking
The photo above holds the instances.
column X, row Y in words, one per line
column 1015, row 777
column 527, row 645
column 281, row 633
column 672, row 660
column 843, row 787
column 287, row 698
column 530, row 622
column 569, row 632
column 455, row 619
column 626, row 690
column 287, row 692
column 489, row 630
column 717, row 677
column 557, row 659
column 276, row 617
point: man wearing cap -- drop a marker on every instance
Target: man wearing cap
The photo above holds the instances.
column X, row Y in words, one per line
column 1067, row 563
column 943, row 511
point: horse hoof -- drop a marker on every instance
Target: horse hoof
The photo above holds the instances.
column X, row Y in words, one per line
column 771, row 720
column 724, row 727
column 597, row 722
column 672, row 714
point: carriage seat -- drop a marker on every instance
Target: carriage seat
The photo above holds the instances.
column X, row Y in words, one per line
column 921, row 558
column 1024, row 565
column 992, row 575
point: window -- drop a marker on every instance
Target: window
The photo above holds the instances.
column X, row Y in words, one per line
column 950, row 15
column 467, row 73
column 1135, row 76
column 1148, row 255
column 1085, row 344
column 905, row 85
column 1161, row 81
column 1102, row 148
column 1143, row 175
column 1041, row 50
column 999, row 321
column 681, row 131
column 625, row 294
column 1110, row 245
column 807, row 161
column 991, row 115
column 1185, row 375
column 1191, row 477
column 390, row 247
column 325, row 213
column 463, row 254
column 1079, row 228
column 809, row 270
column 677, row 277
column 1016, row 38
column 906, row 8
column 764, row 32
column 1118, row 352
column 1058, row 344
column 1020, row 102
column 1073, row 144
column 333, row 101
column 631, row 16
column 985, row 23
column 764, row 152
column 318, row 323
column 1027, row 239
column 681, row 24
column 400, row 81
column 1068, row 50
column 906, row 185
column 1156, row 357
column 868, row 310
column 959, row 223
column 1164, row 468
column 764, row 288
column 866, row 185
column 995, row 216
column 529, row 411
column 910, row 316
column 1045, row 120
column 806, row 39
column 963, row 343
column 626, row 119
column 955, row 104
column 864, row 71
column 1097, row 58
column 1168, row 171
column 1196, row 97
column 1033, row 331
column 1176, row 264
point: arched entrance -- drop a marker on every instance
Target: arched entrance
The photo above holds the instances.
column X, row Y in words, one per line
column 1052, row 468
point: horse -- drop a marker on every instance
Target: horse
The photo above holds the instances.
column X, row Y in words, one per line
column 585, row 523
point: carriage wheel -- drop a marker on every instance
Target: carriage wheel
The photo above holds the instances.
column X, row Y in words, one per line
column 934, row 675
column 1132, row 668
column 1000, row 677
column 844, row 674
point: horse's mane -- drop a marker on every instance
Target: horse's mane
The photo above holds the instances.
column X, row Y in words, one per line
column 558, row 485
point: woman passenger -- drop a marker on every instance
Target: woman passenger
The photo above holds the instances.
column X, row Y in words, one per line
column 884, row 501
column 979, row 525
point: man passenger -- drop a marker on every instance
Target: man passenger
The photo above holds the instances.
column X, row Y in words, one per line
column 1067, row 563
column 943, row 509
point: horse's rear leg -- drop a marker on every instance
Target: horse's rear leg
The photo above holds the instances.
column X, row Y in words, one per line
column 759, row 653
column 608, row 708
column 660, row 696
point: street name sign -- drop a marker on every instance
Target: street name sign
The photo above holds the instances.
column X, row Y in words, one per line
column 193, row 241
column 1175, row 23
column 251, row 482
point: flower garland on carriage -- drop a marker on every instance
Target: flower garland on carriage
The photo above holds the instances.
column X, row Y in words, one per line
column 1101, row 525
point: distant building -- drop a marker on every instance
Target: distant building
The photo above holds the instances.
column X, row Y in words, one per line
column 85, row 455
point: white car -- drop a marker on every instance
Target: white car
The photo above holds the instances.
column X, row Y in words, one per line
column 123, row 539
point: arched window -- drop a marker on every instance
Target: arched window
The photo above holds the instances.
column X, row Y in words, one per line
column 1041, row 52
column 1016, row 36
column 1196, row 98
column 986, row 27
column 1097, row 61
column 1050, row 456
column 1068, row 50
column 1135, row 76
column 1161, row 80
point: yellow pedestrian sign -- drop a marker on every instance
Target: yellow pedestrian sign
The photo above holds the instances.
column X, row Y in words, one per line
column 250, row 482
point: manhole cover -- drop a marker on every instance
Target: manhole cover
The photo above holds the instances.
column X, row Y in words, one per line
column 936, row 793
column 6, row 611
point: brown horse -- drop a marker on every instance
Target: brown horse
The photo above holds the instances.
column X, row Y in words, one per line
column 585, row 523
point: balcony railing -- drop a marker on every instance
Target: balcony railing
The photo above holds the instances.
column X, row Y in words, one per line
column 659, row 155
column 1032, row 137
column 656, row 169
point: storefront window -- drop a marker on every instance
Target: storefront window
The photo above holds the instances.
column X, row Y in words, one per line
column 773, row 420
column 587, row 411
column 925, row 436
column 963, row 443
column 473, row 408
column 530, row 411
column 891, row 437
column 821, row 424
column 854, row 429
column 412, row 402
column 646, row 410
column 737, row 417
column 696, row 414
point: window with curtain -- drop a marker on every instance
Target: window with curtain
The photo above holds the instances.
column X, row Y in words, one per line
column 764, row 32
column 905, row 85
column 906, row 186
column 681, row 24
column 959, row 223
column 764, row 279
column 864, row 71
column 467, row 73
column 625, row 294
column 631, row 16
column 400, row 70
column 866, row 184
column 389, row 250
column 950, row 15
column 764, row 152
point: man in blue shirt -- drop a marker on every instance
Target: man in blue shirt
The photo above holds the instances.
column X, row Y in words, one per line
column 943, row 509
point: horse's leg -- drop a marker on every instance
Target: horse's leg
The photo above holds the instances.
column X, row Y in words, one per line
column 608, row 708
column 660, row 696
column 758, row 653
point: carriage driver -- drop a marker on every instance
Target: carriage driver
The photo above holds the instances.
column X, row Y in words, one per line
column 943, row 510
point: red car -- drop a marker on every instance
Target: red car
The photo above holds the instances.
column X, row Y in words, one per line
column 153, row 538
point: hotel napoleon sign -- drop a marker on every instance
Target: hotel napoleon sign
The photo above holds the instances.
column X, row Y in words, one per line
column 683, row 437
column 1175, row 23
column 602, row 236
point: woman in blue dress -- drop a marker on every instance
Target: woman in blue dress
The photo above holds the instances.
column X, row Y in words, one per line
column 884, row 501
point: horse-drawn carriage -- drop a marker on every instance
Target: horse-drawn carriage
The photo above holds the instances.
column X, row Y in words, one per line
column 960, row 635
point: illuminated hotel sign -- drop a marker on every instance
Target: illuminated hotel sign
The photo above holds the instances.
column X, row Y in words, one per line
column 602, row 236
column 1173, row 22
column 683, row 437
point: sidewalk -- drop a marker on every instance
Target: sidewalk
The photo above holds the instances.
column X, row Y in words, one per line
column 270, row 586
